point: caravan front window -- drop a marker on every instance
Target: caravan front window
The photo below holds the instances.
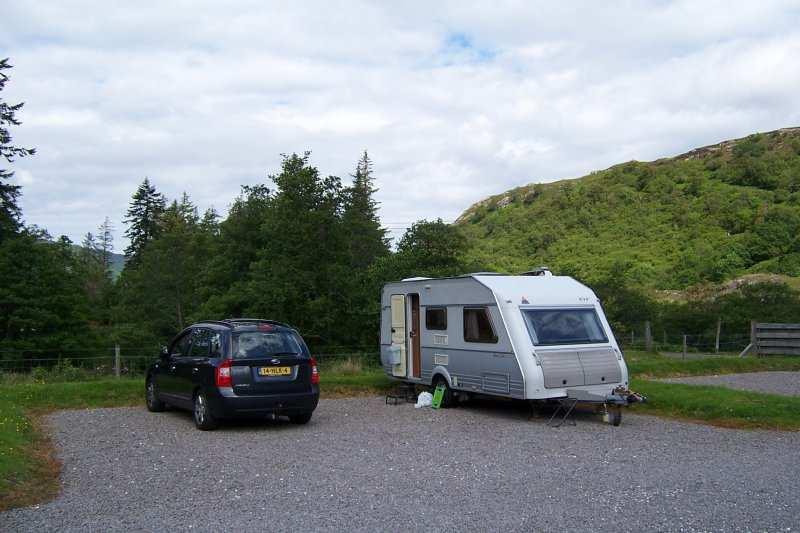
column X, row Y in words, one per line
column 564, row 326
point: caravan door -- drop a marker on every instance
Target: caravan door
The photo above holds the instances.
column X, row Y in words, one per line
column 398, row 335
column 414, row 337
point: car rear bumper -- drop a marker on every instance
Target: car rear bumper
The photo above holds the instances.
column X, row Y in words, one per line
column 225, row 403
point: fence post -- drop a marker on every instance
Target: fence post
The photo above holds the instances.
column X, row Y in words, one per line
column 719, row 329
column 754, row 337
column 648, row 337
column 117, row 366
column 684, row 346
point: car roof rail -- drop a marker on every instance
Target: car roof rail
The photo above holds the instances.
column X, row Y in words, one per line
column 216, row 322
column 257, row 321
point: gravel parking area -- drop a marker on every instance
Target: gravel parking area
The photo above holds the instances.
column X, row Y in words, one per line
column 362, row 465
column 786, row 383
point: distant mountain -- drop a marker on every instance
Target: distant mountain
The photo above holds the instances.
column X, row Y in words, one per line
column 708, row 215
column 117, row 262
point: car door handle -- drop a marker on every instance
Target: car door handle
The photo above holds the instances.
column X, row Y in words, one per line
column 195, row 369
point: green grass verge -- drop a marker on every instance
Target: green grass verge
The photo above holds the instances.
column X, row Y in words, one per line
column 719, row 406
column 651, row 365
column 370, row 380
column 26, row 462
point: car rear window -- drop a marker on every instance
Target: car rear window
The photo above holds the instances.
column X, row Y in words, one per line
column 262, row 344
column 564, row 326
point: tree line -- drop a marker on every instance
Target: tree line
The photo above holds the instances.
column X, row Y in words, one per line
column 310, row 252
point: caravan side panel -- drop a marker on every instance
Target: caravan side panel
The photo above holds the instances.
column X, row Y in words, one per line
column 488, row 368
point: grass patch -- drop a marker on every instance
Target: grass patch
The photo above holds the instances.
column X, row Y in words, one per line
column 651, row 365
column 719, row 406
column 368, row 381
column 28, row 469
column 349, row 366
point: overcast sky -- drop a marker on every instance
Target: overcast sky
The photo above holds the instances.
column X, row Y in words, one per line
column 454, row 102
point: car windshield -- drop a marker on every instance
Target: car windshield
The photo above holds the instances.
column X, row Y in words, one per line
column 564, row 326
column 260, row 344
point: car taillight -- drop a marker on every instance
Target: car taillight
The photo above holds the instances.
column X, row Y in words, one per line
column 223, row 374
column 314, row 372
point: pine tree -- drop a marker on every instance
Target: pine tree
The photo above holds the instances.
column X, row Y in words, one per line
column 143, row 219
column 163, row 293
column 365, row 238
column 105, row 244
column 9, row 210
column 365, row 242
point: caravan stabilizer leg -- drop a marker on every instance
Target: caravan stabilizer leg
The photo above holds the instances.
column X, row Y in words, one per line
column 565, row 405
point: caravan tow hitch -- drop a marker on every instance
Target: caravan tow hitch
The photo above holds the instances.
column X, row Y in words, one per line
column 610, row 405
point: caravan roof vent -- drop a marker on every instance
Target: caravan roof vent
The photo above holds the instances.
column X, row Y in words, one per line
column 541, row 271
column 415, row 279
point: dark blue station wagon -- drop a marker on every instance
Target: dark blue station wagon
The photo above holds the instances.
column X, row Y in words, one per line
column 235, row 368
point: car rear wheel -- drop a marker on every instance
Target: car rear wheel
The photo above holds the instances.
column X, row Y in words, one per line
column 154, row 405
column 301, row 418
column 203, row 419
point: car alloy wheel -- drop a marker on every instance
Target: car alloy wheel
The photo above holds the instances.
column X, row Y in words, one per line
column 203, row 418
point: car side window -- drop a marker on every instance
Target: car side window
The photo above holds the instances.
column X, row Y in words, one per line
column 201, row 343
column 180, row 347
column 216, row 344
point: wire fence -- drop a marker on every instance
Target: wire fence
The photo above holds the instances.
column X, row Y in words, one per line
column 707, row 344
column 69, row 364
column 134, row 361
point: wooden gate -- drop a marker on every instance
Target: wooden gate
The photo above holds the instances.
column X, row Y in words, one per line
column 774, row 339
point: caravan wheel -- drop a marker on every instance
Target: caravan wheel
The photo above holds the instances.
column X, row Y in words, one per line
column 615, row 416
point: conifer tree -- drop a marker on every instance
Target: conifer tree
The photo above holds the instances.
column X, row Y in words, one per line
column 365, row 238
column 143, row 219
column 9, row 210
column 364, row 243
column 105, row 244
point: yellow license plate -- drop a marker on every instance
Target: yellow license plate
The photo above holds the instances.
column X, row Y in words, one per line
column 274, row 371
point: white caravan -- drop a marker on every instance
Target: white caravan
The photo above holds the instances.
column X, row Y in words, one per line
column 531, row 337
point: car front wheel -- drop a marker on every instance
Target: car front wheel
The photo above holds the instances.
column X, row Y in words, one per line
column 154, row 405
column 203, row 419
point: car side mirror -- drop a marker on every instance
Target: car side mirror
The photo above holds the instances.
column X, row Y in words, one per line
column 164, row 353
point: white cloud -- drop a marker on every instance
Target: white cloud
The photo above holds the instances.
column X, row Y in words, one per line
column 453, row 101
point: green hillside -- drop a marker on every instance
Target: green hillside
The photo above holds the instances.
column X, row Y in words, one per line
column 705, row 216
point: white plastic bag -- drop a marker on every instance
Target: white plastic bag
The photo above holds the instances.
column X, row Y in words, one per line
column 425, row 399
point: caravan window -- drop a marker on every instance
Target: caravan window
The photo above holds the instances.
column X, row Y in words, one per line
column 564, row 326
column 478, row 325
column 436, row 318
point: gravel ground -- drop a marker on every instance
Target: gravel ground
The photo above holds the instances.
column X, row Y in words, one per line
column 787, row 383
column 362, row 465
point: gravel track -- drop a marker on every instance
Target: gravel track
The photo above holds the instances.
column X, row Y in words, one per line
column 786, row 383
column 364, row 466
